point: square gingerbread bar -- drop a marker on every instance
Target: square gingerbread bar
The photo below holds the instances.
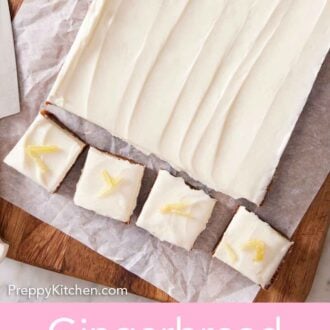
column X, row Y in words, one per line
column 109, row 185
column 46, row 152
column 252, row 247
column 174, row 212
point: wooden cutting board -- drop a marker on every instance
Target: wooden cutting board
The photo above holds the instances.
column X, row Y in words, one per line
column 36, row 243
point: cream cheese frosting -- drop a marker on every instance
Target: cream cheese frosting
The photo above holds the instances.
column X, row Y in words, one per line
column 252, row 247
column 109, row 185
column 45, row 153
column 213, row 87
column 174, row 212
column 3, row 250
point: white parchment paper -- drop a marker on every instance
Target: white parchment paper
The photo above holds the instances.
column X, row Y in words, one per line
column 44, row 32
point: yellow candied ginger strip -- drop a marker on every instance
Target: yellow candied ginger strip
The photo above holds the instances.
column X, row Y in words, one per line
column 258, row 246
column 111, row 183
column 231, row 253
column 176, row 208
column 35, row 152
column 42, row 149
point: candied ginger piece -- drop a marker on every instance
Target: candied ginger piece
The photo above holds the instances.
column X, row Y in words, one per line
column 230, row 252
column 176, row 208
column 111, row 183
column 258, row 246
column 36, row 151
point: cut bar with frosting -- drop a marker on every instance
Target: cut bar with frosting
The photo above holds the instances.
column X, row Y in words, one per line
column 46, row 152
column 109, row 185
column 174, row 212
column 252, row 247
column 215, row 88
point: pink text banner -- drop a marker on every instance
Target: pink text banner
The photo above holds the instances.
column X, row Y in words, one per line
column 165, row 316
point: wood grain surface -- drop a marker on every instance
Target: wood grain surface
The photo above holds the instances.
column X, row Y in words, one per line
column 36, row 243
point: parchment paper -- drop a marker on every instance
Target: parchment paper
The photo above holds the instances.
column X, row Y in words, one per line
column 44, row 32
